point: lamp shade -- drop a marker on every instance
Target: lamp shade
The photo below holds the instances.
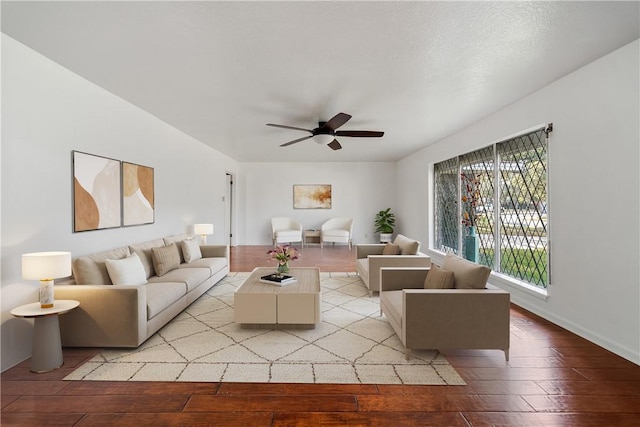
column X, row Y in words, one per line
column 203, row 229
column 46, row 265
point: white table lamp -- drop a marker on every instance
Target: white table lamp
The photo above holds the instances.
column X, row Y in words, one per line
column 202, row 230
column 46, row 266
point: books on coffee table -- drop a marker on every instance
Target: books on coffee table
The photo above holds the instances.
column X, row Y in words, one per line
column 278, row 279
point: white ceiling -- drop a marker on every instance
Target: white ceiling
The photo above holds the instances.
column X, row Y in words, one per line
column 219, row 71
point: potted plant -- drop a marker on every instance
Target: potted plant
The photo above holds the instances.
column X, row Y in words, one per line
column 385, row 221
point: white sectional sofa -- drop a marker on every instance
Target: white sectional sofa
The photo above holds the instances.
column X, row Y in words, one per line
column 126, row 314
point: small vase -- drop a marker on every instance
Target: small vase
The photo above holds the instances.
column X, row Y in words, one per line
column 471, row 245
column 283, row 268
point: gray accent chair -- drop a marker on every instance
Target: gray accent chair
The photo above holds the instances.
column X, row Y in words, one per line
column 473, row 317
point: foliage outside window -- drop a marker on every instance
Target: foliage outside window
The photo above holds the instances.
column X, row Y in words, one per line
column 501, row 190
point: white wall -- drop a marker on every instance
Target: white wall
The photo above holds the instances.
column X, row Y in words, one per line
column 594, row 164
column 359, row 190
column 48, row 111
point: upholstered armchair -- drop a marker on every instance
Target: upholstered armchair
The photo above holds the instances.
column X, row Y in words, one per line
column 337, row 230
column 452, row 309
column 285, row 230
column 371, row 257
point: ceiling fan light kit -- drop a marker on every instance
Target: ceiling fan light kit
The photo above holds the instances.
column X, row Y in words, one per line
column 326, row 132
column 323, row 139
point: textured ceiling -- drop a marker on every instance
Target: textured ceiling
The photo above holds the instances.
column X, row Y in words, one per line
column 219, row 71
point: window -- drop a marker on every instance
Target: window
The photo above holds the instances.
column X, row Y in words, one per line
column 500, row 191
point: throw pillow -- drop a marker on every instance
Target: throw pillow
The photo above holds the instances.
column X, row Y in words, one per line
column 127, row 271
column 407, row 246
column 438, row 278
column 165, row 259
column 191, row 249
column 391, row 249
column 469, row 275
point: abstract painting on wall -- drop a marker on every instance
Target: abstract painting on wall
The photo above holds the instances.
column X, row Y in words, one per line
column 312, row 196
column 96, row 192
column 137, row 194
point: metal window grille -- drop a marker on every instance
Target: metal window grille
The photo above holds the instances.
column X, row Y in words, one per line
column 508, row 207
column 446, row 208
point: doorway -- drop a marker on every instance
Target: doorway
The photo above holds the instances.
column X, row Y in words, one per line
column 228, row 210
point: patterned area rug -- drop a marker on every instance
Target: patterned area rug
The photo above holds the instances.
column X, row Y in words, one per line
column 352, row 345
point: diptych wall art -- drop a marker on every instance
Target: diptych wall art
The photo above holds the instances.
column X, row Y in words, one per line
column 96, row 192
column 137, row 194
column 312, row 196
column 108, row 193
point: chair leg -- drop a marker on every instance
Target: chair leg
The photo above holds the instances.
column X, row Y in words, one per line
column 407, row 353
column 506, row 354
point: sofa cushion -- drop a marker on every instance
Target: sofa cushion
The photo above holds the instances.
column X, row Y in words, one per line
column 393, row 301
column 162, row 295
column 191, row 249
column 165, row 259
column 127, row 271
column 144, row 252
column 468, row 275
column 335, row 233
column 91, row 269
column 177, row 239
column 283, row 235
column 438, row 278
column 391, row 249
column 362, row 267
column 213, row 264
column 191, row 277
column 407, row 246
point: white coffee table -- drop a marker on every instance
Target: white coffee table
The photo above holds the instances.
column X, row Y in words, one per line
column 297, row 304
column 46, row 354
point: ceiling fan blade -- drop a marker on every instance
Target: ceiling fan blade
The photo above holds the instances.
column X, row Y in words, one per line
column 334, row 145
column 287, row 127
column 336, row 121
column 360, row 133
column 296, row 140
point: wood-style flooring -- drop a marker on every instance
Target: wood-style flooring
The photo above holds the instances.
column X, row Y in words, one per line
column 554, row 378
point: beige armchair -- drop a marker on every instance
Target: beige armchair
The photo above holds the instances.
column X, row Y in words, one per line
column 337, row 230
column 370, row 258
column 473, row 317
column 285, row 230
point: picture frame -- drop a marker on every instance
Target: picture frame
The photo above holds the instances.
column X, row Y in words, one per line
column 312, row 196
column 96, row 192
column 138, row 194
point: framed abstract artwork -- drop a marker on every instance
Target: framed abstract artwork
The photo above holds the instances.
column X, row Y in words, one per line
column 96, row 192
column 312, row 196
column 137, row 194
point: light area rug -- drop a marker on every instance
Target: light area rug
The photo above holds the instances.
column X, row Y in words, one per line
column 352, row 345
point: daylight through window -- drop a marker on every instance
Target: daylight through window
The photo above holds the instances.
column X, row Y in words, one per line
column 491, row 207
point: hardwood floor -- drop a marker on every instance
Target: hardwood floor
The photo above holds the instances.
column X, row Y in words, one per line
column 553, row 378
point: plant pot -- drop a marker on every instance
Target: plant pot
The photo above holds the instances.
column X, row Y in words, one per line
column 386, row 237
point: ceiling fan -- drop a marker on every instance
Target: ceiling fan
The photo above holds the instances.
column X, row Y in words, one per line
column 326, row 132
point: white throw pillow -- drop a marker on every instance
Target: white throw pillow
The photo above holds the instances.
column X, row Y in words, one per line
column 191, row 250
column 127, row 271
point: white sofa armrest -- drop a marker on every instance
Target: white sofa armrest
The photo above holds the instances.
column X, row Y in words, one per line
column 108, row 315
column 364, row 250
column 215, row 251
column 377, row 262
column 398, row 278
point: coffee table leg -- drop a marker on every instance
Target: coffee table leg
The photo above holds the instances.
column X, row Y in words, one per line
column 46, row 354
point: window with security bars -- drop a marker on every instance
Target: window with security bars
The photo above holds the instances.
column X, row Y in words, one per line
column 498, row 194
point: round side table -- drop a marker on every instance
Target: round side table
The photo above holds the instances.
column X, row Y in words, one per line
column 46, row 354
